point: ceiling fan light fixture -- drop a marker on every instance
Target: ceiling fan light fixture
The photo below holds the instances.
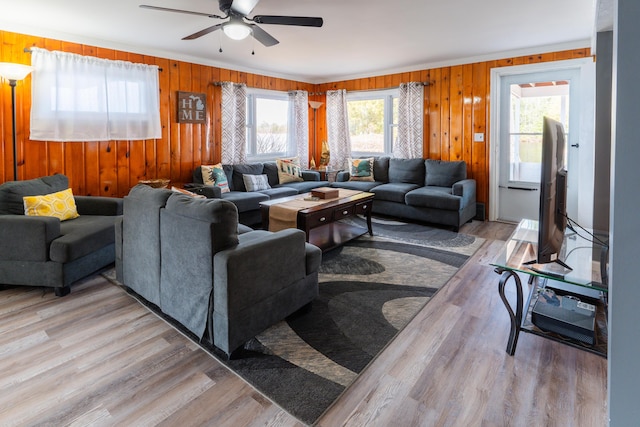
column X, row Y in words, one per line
column 236, row 30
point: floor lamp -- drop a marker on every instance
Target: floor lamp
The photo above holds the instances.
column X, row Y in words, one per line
column 315, row 105
column 13, row 73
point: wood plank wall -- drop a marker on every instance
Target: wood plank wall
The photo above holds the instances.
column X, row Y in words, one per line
column 112, row 168
column 456, row 107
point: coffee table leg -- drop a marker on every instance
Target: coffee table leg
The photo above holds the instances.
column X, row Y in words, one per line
column 369, row 223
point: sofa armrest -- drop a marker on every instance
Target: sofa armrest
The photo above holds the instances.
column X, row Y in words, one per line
column 98, row 205
column 209, row 191
column 466, row 189
column 342, row 176
column 310, row 175
column 257, row 268
column 27, row 238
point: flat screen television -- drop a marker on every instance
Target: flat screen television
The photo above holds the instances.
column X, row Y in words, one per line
column 552, row 221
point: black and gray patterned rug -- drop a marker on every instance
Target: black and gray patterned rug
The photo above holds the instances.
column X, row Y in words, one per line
column 369, row 290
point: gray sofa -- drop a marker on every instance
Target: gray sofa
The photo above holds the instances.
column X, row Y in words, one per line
column 248, row 203
column 222, row 281
column 44, row 251
column 433, row 191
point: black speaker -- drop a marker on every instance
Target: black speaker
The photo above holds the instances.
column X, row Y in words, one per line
column 479, row 212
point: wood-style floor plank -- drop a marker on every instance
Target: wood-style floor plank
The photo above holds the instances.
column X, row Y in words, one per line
column 98, row 357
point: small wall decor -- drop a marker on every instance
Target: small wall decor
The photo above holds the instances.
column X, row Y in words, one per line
column 192, row 107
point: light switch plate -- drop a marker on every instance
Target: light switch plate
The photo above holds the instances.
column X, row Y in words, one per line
column 478, row 137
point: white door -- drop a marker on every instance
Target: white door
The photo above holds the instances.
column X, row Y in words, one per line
column 523, row 98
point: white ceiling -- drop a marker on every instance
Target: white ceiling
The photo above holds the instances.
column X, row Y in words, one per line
column 359, row 38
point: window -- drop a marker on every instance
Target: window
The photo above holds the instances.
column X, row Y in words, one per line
column 373, row 121
column 529, row 103
column 80, row 98
column 267, row 124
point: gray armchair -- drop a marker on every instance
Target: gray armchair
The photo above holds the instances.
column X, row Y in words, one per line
column 44, row 251
column 186, row 256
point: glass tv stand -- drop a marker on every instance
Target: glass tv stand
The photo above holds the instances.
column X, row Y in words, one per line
column 584, row 285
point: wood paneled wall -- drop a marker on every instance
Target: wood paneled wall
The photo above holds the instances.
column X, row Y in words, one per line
column 112, row 168
column 456, row 107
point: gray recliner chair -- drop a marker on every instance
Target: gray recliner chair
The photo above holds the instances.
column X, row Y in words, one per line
column 192, row 263
column 44, row 251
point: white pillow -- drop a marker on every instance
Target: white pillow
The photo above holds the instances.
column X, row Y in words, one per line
column 256, row 182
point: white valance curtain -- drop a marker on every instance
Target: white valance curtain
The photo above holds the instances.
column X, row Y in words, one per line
column 82, row 98
column 410, row 121
column 338, row 136
column 234, row 122
column 298, row 127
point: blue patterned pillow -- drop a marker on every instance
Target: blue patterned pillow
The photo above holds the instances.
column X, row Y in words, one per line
column 215, row 176
column 361, row 169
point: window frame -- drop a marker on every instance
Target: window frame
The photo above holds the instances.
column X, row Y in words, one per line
column 253, row 95
column 388, row 96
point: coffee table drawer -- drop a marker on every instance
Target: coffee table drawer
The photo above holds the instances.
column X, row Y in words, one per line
column 343, row 212
column 317, row 219
column 363, row 208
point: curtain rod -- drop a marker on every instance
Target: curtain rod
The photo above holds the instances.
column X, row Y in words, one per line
column 371, row 90
column 27, row 50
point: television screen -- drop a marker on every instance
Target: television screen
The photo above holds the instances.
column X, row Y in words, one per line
column 552, row 221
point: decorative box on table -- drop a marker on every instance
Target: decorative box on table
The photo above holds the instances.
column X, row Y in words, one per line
column 325, row 192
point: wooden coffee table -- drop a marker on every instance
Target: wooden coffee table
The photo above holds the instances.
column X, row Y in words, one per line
column 321, row 222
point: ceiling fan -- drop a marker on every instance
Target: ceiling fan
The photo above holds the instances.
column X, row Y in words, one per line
column 237, row 26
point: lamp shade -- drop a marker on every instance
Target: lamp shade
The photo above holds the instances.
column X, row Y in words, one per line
column 315, row 104
column 236, row 30
column 12, row 71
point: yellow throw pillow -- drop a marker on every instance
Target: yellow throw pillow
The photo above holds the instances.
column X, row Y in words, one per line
column 289, row 170
column 215, row 176
column 60, row 205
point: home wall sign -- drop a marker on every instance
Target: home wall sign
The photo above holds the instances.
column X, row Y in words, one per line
column 192, row 107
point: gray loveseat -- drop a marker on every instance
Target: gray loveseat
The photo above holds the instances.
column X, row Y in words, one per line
column 248, row 203
column 44, row 251
column 434, row 191
column 222, row 281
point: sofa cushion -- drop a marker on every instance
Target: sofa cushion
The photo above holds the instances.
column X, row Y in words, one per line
column 59, row 205
column 393, row 191
column 244, row 169
column 271, row 170
column 305, row 186
column 256, row 182
column 246, row 201
column 361, row 169
column 434, row 198
column 289, row 170
column 381, row 169
column 280, row 191
column 443, row 173
column 12, row 192
column 407, row 170
column 82, row 236
column 214, row 175
column 356, row 185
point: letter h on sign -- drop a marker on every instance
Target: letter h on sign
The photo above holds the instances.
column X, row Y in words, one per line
column 192, row 107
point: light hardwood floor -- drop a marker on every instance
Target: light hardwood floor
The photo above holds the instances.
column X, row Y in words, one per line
column 98, row 357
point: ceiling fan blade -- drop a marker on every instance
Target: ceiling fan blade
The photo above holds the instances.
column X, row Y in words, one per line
column 243, row 7
column 262, row 36
column 204, row 32
column 166, row 9
column 303, row 21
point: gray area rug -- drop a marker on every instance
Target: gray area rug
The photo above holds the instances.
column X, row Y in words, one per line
column 370, row 289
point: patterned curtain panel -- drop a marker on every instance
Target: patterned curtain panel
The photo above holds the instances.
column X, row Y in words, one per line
column 298, row 131
column 338, row 129
column 410, row 121
column 234, row 122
